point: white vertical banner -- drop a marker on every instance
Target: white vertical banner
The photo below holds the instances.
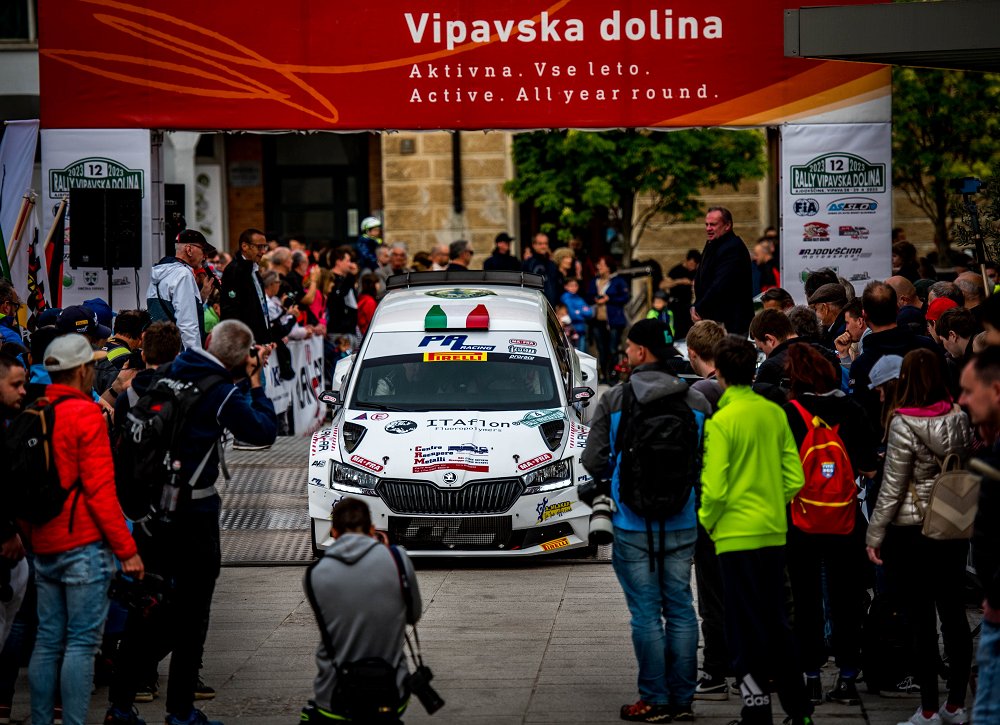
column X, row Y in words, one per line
column 17, row 164
column 836, row 203
column 98, row 159
column 301, row 393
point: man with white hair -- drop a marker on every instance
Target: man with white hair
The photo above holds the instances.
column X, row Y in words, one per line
column 398, row 259
column 439, row 257
column 186, row 550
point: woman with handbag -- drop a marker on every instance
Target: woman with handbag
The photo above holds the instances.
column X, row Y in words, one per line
column 926, row 428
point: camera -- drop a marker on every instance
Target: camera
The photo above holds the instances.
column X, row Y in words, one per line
column 290, row 300
column 597, row 495
column 135, row 361
column 968, row 185
column 142, row 595
column 419, row 683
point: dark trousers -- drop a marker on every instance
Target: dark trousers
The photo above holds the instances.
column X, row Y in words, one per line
column 809, row 555
column 923, row 574
column 708, row 575
column 187, row 554
column 759, row 635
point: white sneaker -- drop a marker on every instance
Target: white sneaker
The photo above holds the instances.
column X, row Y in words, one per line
column 918, row 718
column 959, row 717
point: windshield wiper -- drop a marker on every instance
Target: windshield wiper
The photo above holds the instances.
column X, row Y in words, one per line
column 377, row 406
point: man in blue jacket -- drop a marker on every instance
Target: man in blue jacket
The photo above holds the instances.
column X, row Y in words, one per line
column 658, row 594
column 186, row 550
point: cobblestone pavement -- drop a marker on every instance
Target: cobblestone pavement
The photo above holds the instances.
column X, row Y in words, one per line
column 536, row 641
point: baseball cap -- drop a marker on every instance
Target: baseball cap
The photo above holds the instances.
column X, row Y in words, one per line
column 48, row 316
column 102, row 309
column 193, row 236
column 938, row 307
column 78, row 318
column 69, row 351
column 886, row 368
column 829, row 293
column 652, row 335
column 504, row 237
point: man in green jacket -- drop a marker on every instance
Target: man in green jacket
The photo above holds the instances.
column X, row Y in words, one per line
column 751, row 470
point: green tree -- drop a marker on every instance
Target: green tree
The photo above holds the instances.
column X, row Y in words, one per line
column 586, row 175
column 945, row 126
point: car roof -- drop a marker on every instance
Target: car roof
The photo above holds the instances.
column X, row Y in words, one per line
column 509, row 307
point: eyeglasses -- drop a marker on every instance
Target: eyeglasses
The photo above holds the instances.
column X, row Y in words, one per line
column 261, row 247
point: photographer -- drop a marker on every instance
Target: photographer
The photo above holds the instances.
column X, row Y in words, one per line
column 655, row 412
column 186, row 549
column 355, row 591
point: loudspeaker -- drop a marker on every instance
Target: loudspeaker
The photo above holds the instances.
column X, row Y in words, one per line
column 105, row 228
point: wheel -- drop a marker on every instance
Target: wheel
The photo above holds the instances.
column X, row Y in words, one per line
column 316, row 549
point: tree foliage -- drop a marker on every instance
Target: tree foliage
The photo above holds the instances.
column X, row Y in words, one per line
column 586, row 175
column 945, row 126
column 988, row 211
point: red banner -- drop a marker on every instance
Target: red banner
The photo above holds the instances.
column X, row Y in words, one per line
column 451, row 64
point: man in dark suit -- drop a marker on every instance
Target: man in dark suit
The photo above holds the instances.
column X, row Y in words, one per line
column 723, row 285
column 242, row 290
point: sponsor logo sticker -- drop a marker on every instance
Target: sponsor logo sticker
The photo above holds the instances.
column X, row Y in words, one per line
column 400, row 426
column 532, row 462
column 528, row 343
column 546, row 512
column 806, row 207
column 522, row 350
column 454, row 357
column 536, row 417
column 852, row 205
column 450, row 477
column 466, row 457
column 453, row 342
column 365, row 463
column 816, row 232
column 556, row 544
column 379, row 416
column 853, row 232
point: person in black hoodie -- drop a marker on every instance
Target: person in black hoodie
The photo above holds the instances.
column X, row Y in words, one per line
column 186, row 550
column 342, row 301
column 773, row 334
column 879, row 304
column 13, row 566
column 242, row 290
column 501, row 258
column 810, row 376
column 981, row 398
column 723, row 284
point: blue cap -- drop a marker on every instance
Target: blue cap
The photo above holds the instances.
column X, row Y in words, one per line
column 102, row 309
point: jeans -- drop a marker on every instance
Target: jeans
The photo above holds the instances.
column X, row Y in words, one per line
column 72, row 604
column 664, row 625
column 987, row 707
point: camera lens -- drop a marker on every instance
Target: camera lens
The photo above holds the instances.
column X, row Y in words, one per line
column 601, row 529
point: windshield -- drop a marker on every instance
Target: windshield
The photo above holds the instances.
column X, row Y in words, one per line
column 456, row 381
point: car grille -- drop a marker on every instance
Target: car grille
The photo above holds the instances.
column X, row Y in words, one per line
column 478, row 497
column 425, row 532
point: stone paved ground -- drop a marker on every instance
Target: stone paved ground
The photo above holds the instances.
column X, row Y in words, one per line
column 517, row 643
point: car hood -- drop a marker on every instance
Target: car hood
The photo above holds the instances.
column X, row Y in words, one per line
column 451, row 448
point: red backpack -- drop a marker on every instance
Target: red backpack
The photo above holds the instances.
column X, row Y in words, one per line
column 826, row 503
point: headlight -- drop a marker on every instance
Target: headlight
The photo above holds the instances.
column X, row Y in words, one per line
column 352, row 480
column 549, row 478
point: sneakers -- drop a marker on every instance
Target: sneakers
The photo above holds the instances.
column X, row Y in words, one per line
column 814, row 690
column 918, row 718
column 640, row 712
column 197, row 717
column 203, row 691
column 710, row 687
column 959, row 717
column 682, row 713
column 114, row 716
column 241, row 446
column 904, row 688
column 844, row 692
column 147, row 693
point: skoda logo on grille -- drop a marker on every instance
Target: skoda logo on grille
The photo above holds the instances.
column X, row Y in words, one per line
column 450, row 477
column 400, row 426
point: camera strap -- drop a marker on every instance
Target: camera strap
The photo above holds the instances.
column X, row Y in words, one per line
column 404, row 584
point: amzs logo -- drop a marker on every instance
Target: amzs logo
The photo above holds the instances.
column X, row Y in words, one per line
column 852, row 205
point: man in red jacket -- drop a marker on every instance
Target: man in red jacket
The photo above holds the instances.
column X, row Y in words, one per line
column 74, row 552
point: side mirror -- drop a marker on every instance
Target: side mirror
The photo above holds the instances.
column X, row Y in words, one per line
column 581, row 395
column 332, row 397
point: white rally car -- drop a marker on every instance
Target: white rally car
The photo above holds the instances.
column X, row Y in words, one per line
column 460, row 422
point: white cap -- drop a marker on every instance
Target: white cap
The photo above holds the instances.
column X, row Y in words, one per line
column 69, row 351
column 886, row 368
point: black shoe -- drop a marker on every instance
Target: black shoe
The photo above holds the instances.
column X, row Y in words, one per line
column 711, row 687
column 682, row 713
column 203, row 691
column 906, row 687
column 814, row 690
column 845, row 692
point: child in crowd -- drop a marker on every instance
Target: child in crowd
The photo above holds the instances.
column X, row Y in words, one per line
column 579, row 312
column 567, row 324
column 342, row 347
column 660, row 311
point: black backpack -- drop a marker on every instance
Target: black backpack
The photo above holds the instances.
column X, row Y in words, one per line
column 146, row 456
column 34, row 489
column 660, row 455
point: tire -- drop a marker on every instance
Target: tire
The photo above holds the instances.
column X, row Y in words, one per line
column 316, row 549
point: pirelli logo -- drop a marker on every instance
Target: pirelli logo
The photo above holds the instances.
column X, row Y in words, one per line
column 454, row 357
column 555, row 544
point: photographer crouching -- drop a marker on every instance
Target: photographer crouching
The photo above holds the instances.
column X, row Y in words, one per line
column 363, row 594
column 644, row 452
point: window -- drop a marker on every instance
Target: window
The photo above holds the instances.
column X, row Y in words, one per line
column 19, row 21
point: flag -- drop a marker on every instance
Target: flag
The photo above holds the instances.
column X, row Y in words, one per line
column 36, row 283
column 54, row 259
column 17, row 162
